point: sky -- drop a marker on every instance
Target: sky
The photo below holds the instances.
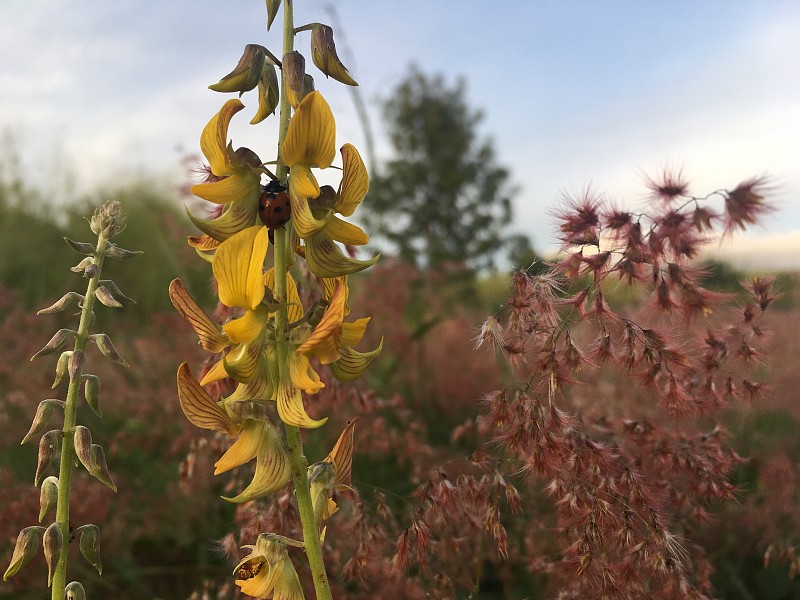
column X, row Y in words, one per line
column 573, row 93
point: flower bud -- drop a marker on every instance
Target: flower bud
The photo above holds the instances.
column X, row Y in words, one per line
column 245, row 74
column 108, row 219
column 80, row 247
column 53, row 543
column 89, row 260
column 90, row 545
column 48, row 496
column 75, row 363
column 116, row 292
column 323, row 53
column 82, row 439
column 75, row 591
column 106, row 298
column 99, row 468
column 268, row 93
column 91, row 391
column 114, row 251
column 42, row 417
column 272, row 10
column 107, row 348
column 91, row 271
column 49, row 446
column 61, row 367
column 24, row 550
column 67, row 301
column 294, row 70
column 56, row 343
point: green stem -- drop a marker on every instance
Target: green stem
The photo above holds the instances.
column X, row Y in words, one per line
column 70, row 416
column 299, row 463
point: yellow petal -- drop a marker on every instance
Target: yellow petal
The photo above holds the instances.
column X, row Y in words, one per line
column 260, row 586
column 303, row 186
column 342, row 455
column 325, row 259
column 198, row 406
column 346, row 233
column 237, row 216
column 302, row 375
column 260, row 387
column 211, row 337
column 329, row 287
column 273, row 470
column 327, row 330
column 287, row 583
column 246, row 328
column 244, row 183
column 243, row 449
column 215, row 373
column 352, row 364
column 203, row 242
column 311, row 139
column 355, row 181
column 241, row 362
column 353, row 332
column 291, row 410
column 295, row 306
column 214, row 139
column 238, row 268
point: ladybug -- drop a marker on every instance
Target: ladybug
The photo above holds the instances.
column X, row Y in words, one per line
column 274, row 207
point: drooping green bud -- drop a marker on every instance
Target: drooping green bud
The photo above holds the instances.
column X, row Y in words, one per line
column 91, row 271
column 107, row 348
column 90, row 545
column 41, row 419
column 49, row 447
column 272, row 10
column 245, row 74
column 81, row 266
column 268, row 93
column 323, row 53
column 75, row 591
column 114, row 251
column 61, row 367
column 56, row 343
column 82, row 439
column 24, row 550
column 294, row 70
column 80, row 247
column 91, row 391
column 76, row 363
column 108, row 219
column 68, row 301
column 106, row 298
column 48, row 496
column 52, row 544
column 92, row 456
column 116, row 292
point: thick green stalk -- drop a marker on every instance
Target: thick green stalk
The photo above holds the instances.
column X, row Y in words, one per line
column 70, row 414
column 299, row 463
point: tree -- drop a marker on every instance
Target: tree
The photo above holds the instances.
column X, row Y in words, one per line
column 443, row 199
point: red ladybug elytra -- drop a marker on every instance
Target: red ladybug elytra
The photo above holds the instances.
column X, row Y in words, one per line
column 274, row 207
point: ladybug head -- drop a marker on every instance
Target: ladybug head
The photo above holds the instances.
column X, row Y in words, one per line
column 274, row 187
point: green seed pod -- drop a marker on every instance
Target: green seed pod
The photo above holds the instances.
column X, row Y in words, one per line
column 80, row 247
column 116, row 292
column 75, row 591
column 48, row 496
column 90, row 545
column 24, row 550
column 61, row 367
column 68, row 301
column 42, row 417
column 107, row 348
column 114, row 251
column 49, row 447
column 52, row 544
column 91, row 391
column 56, row 343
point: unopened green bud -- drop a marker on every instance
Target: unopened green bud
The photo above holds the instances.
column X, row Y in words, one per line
column 323, row 53
column 91, row 391
column 108, row 219
column 82, row 439
column 92, row 456
column 75, row 363
column 80, row 247
column 49, row 446
column 107, row 348
column 106, row 298
column 294, row 70
column 245, row 74
column 114, row 251
column 308, row 85
column 52, row 544
column 90, row 545
column 56, row 343
column 272, row 10
column 116, row 292
column 99, row 468
column 61, row 367
column 91, row 271
column 41, row 419
column 74, row 591
column 268, row 93
column 48, row 496
column 24, row 550
column 66, row 302
column 81, row 266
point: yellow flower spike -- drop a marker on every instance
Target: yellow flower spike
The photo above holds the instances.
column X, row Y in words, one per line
column 243, row 450
column 302, row 186
column 352, row 363
column 198, row 406
column 273, row 470
column 346, row 233
column 215, row 373
column 311, row 139
column 355, row 181
column 325, row 259
column 214, row 139
column 246, row 328
column 238, row 268
column 290, row 407
column 324, row 340
column 295, row 306
column 302, row 375
column 211, row 337
column 353, row 332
